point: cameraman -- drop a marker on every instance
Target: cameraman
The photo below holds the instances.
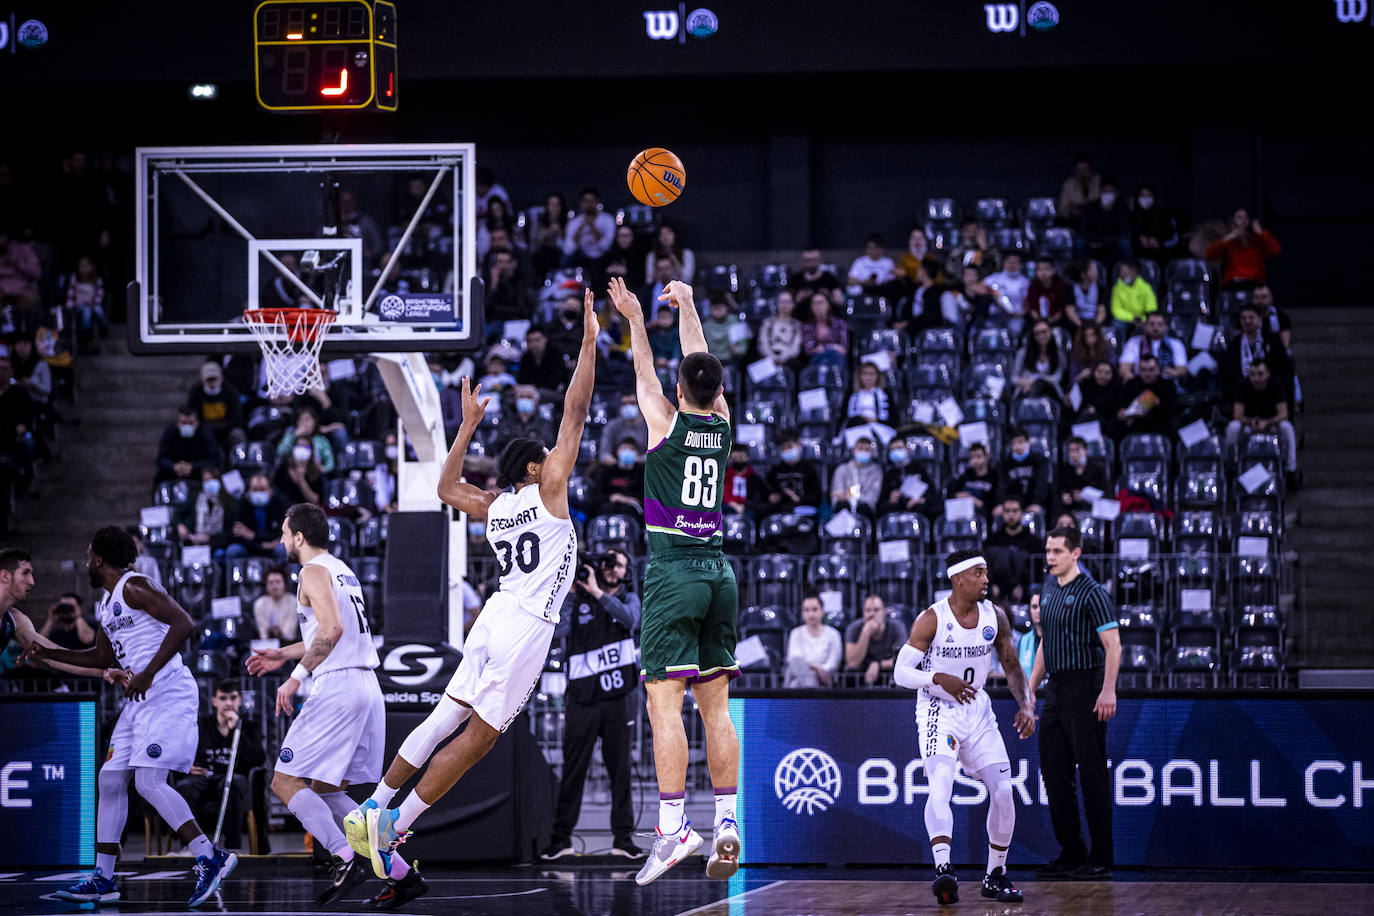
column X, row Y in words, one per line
column 67, row 626
column 600, row 703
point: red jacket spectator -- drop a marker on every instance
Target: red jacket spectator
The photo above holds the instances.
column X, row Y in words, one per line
column 1243, row 250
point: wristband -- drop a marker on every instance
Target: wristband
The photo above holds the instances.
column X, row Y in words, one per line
column 300, row 672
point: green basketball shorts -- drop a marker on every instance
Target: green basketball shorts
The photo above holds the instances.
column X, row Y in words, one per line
column 687, row 628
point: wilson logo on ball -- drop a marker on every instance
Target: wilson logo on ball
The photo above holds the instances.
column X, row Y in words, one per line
column 669, row 177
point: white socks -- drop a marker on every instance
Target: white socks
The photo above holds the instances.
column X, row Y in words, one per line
column 725, row 804
column 383, row 794
column 670, row 812
column 200, row 847
column 941, row 853
column 105, row 861
column 411, row 808
column 997, row 858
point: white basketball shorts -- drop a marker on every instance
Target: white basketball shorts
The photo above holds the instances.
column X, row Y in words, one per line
column 340, row 733
column 159, row 730
column 964, row 732
column 503, row 656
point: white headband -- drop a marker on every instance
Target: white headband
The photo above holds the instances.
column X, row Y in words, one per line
column 965, row 564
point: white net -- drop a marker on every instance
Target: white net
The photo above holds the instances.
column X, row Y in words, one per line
column 291, row 340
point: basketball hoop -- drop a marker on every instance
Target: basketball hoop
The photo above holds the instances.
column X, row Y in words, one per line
column 291, row 340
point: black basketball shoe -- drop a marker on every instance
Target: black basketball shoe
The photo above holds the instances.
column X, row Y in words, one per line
column 945, row 887
column 997, row 886
column 343, row 877
column 398, row 893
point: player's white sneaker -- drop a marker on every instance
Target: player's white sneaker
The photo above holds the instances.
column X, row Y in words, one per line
column 725, row 850
column 668, row 851
column 355, row 828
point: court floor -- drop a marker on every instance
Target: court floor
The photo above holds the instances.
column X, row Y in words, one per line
column 262, row 888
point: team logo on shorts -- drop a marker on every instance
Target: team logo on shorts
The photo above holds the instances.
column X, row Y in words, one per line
column 286, row 755
column 989, row 633
column 154, row 751
column 807, row 781
column 952, row 743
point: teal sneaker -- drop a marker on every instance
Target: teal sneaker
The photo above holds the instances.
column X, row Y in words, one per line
column 355, row 827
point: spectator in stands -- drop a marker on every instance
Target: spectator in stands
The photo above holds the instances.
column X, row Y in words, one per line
column 1254, row 342
column 1012, row 553
column 359, row 225
column 86, row 299
column 546, row 235
column 218, row 405
column 144, row 564
column 814, row 649
column 522, row 420
column 1132, row 299
column 664, row 340
column 67, row 624
column 1272, row 318
column 1154, row 338
column 257, row 522
column 899, row 471
column 909, row 261
column 1084, row 280
column 1040, row 370
column 667, row 245
column 932, row 303
column 1029, row 642
column 1026, row 476
column 20, row 271
column 628, row 423
column 305, row 432
column 873, row 271
column 857, row 483
column 979, row 481
column 1154, row 234
column 792, row 485
column 662, row 272
column 496, row 382
column 299, row 477
column 496, row 226
column 810, row 278
column 1081, row 188
column 1151, row 401
column 507, row 298
column 1104, row 226
column 1048, row 297
column 745, row 492
column 972, row 250
column 626, row 258
column 871, row 642
column 542, row 366
column 976, row 299
column 1090, row 347
column 621, row 485
column 1103, row 395
column 1243, row 250
column 727, row 338
column 565, row 333
column 488, row 188
column 186, row 447
column 589, row 234
column 780, row 337
column 825, row 339
column 869, row 401
column 31, row 373
column 203, row 785
column 1009, row 285
column 1077, row 473
column 1262, row 405
column 206, row 520
column 274, row 612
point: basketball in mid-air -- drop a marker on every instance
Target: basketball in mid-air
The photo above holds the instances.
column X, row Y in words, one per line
column 656, row 177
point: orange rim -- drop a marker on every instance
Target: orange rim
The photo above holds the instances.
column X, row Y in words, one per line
column 301, row 324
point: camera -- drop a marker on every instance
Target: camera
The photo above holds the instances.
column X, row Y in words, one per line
column 597, row 562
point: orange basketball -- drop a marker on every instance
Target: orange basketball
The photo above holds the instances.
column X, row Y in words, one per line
column 656, row 177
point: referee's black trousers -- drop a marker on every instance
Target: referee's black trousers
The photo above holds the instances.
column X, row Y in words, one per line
column 1071, row 736
column 613, row 722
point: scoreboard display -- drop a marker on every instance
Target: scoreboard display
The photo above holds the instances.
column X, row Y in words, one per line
column 323, row 55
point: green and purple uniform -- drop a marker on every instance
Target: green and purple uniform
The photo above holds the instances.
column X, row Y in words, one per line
column 690, row 595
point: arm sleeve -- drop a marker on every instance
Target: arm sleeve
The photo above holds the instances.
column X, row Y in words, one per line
column 1101, row 614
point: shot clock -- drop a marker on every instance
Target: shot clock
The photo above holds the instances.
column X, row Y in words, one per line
column 322, row 55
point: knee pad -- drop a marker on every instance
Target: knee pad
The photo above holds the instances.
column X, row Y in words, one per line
column 429, row 734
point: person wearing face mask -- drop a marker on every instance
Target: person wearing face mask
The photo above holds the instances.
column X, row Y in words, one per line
column 565, row 331
column 627, row 424
column 979, row 481
column 858, row 483
column 1077, row 473
column 1025, row 475
column 793, row 486
column 186, row 448
column 218, row 405
column 1104, row 229
column 621, row 485
column 305, row 432
column 256, row 530
column 299, row 478
column 744, row 487
column 521, row 419
column 1154, row 233
column 899, row 470
column 207, row 519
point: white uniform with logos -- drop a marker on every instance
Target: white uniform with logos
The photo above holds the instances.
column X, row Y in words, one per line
column 965, row 732
column 159, row 730
column 340, row 734
column 505, row 651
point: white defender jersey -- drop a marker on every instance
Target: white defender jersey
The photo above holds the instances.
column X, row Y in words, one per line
column 964, row 653
column 354, row 648
column 134, row 634
column 536, row 551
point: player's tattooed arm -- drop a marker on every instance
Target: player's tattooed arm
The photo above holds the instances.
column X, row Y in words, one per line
column 1016, row 677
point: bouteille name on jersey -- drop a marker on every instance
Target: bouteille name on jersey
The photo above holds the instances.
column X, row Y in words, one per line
column 515, row 521
column 702, row 440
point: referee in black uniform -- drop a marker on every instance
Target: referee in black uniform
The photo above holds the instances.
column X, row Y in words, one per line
column 1081, row 651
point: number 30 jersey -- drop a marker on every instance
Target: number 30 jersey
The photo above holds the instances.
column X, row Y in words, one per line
column 537, row 551
column 684, row 479
column 354, row 648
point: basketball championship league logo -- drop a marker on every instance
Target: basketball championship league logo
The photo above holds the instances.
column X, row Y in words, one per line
column 807, row 781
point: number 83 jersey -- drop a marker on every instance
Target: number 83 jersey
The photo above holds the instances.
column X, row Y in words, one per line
column 684, row 476
column 536, row 551
column 354, row 648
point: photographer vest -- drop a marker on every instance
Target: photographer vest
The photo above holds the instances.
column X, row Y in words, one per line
column 602, row 663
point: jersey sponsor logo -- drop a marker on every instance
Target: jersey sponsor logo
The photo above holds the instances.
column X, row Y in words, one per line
column 154, row 751
column 286, row 755
column 807, row 781
column 682, row 523
column 989, row 633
